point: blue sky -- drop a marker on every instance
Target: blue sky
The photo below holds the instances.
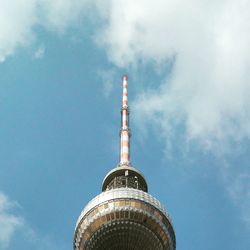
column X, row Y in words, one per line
column 60, row 96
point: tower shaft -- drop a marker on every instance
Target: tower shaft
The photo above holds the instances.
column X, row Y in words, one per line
column 124, row 216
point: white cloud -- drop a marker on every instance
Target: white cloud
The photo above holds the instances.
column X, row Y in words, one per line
column 209, row 40
column 58, row 15
column 9, row 222
column 18, row 19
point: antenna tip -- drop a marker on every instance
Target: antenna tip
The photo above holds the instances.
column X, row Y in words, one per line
column 125, row 77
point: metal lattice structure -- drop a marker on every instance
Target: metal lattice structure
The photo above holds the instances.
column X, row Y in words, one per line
column 124, row 216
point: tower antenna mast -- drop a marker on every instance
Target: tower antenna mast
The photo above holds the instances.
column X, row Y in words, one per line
column 125, row 131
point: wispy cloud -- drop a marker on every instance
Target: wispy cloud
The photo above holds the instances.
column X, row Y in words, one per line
column 108, row 79
column 40, row 241
column 12, row 224
column 9, row 222
column 39, row 53
column 238, row 185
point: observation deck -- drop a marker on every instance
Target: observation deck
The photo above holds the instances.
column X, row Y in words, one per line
column 124, row 218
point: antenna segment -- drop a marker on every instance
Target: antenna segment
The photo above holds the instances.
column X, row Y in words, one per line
column 125, row 131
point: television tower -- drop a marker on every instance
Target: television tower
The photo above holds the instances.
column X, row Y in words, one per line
column 124, row 216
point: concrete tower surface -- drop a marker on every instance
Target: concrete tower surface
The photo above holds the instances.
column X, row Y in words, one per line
column 124, row 216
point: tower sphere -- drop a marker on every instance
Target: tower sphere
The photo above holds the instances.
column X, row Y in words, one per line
column 124, row 216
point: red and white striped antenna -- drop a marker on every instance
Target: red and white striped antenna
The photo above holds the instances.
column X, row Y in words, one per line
column 125, row 131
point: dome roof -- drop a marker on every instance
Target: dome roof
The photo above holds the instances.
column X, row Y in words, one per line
column 126, row 170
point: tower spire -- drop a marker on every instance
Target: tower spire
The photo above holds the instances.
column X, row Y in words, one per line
column 125, row 131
